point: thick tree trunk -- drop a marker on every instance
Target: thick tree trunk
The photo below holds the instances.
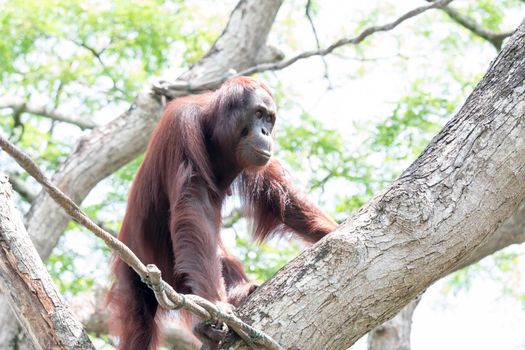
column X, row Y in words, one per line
column 512, row 231
column 32, row 294
column 445, row 205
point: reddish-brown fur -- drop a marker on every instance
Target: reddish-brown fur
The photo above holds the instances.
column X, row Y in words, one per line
column 173, row 217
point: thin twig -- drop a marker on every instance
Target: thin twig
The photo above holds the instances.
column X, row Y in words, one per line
column 165, row 294
column 317, row 42
column 179, row 88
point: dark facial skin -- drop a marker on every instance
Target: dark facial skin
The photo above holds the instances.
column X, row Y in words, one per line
column 255, row 146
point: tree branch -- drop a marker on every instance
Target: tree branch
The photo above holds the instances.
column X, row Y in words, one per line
column 397, row 332
column 21, row 187
column 31, row 292
column 174, row 89
column 41, row 110
column 496, row 39
column 317, row 43
column 394, row 334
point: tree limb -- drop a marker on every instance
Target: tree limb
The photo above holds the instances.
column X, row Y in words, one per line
column 21, row 187
column 394, row 334
column 512, row 231
column 32, row 294
column 316, row 37
column 496, row 39
column 172, row 90
column 41, row 110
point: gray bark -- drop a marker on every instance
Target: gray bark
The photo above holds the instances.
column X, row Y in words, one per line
column 31, row 293
column 426, row 223
column 107, row 148
column 395, row 334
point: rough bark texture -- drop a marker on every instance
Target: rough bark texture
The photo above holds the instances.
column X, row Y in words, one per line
column 107, row 148
column 394, row 334
column 31, row 293
column 90, row 309
column 448, row 202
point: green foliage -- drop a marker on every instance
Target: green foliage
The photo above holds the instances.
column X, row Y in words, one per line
column 125, row 42
column 502, row 267
column 415, row 119
column 491, row 15
column 262, row 261
column 78, row 56
column 65, row 274
column 321, row 154
column 488, row 13
column 308, row 140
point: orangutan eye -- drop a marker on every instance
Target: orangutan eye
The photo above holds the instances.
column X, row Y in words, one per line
column 258, row 114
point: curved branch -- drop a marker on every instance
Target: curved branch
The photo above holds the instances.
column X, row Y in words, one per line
column 41, row 110
column 496, row 39
column 172, row 90
column 30, row 290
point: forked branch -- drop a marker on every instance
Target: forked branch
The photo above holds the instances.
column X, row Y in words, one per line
column 178, row 88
